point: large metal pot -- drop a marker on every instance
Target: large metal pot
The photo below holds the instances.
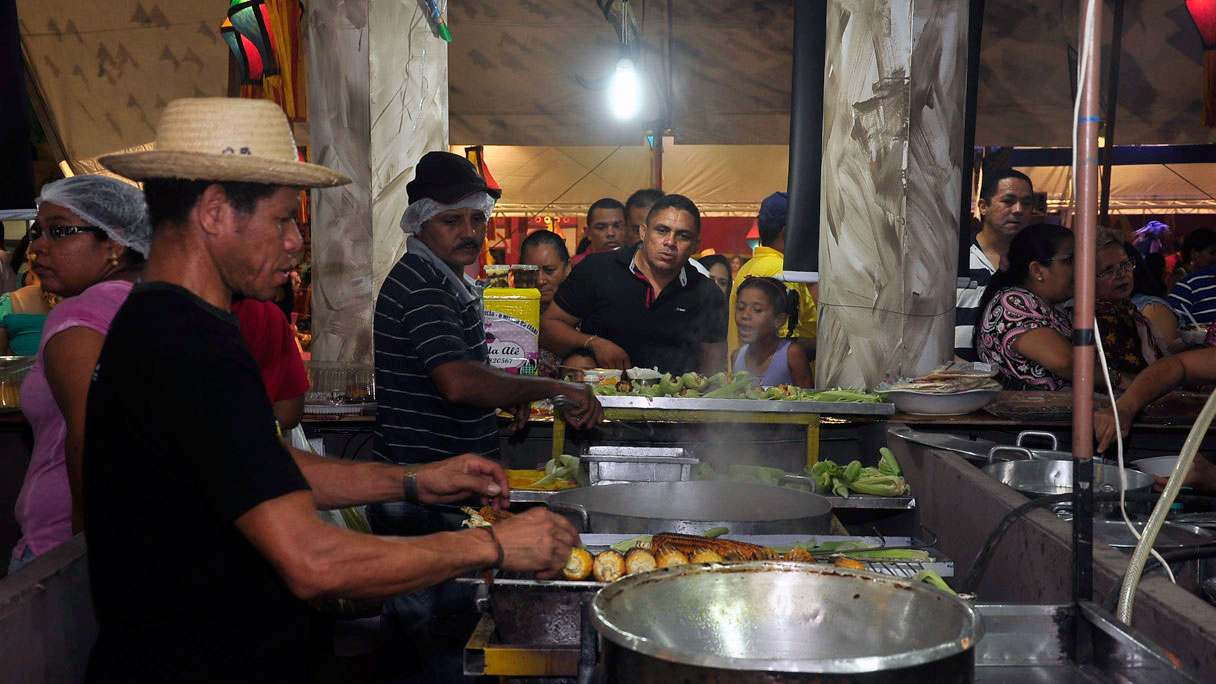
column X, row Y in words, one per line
column 781, row 622
column 693, row 508
column 1044, row 478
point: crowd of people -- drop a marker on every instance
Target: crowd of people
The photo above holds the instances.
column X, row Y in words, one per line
column 165, row 376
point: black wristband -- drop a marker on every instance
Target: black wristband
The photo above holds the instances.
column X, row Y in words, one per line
column 502, row 555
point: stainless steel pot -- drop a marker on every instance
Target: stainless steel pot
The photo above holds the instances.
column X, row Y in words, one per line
column 1044, row 478
column 781, row 622
column 693, row 508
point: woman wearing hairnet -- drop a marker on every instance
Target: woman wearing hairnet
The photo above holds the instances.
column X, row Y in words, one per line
column 88, row 244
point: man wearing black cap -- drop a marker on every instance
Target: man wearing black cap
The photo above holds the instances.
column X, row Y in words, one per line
column 437, row 393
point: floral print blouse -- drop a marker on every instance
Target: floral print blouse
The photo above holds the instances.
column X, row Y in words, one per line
column 1011, row 312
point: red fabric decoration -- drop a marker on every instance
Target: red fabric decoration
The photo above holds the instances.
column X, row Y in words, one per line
column 1203, row 13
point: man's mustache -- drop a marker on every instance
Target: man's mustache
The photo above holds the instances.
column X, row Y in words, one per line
column 468, row 244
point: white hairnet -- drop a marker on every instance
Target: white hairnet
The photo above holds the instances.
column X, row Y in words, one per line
column 110, row 204
column 426, row 209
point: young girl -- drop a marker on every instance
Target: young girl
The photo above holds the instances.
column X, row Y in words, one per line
column 762, row 307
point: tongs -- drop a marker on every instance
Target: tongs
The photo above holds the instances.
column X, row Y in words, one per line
column 563, row 403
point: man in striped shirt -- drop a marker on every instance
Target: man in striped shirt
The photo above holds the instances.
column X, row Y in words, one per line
column 435, row 389
column 1005, row 204
column 1196, row 295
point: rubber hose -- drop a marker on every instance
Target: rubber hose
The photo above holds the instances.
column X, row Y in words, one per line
column 1200, row 552
column 1127, row 593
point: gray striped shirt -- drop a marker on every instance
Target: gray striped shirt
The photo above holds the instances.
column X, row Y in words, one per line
column 425, row 318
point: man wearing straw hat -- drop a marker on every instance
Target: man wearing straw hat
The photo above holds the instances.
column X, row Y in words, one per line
column 202, row 529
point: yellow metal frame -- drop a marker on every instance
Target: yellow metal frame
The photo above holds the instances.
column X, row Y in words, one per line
column 654, row 415
column 519, row 661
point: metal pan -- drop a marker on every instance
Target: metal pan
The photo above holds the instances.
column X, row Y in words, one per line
column 1044, row 478
column 693, row 508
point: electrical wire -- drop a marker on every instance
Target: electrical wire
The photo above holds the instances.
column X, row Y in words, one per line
column 1119, row 451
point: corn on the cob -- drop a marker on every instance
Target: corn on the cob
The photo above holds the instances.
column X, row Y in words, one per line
column 578, row 566
column 671, row 557
column 849, row 563
column 727, row 549
column 706, row 556
column 799, row 556
column 639, row 560
column 608, row 566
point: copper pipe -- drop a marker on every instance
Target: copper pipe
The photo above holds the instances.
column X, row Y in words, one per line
column 1086, row 146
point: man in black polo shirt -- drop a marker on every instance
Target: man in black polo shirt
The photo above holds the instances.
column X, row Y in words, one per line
column 644, row 306
column 202, row 529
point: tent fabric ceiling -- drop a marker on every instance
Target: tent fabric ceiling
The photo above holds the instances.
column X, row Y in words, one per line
column 523, row 72
column 106, row 70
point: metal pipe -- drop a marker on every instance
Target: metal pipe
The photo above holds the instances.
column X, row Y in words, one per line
column 1112, row 103
column 1086, row 178
column 975, row 32
column 806, row 141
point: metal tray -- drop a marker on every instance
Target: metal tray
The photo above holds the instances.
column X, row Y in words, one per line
column 859, row 502
column 826, row 408
column 613, row 464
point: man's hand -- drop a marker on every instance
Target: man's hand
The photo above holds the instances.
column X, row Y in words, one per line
column 609, row 355
column 457, row 478
column 537, row 541
column 588, row 412
column 521, row 412
column 1104, row 425
column 1202, row 476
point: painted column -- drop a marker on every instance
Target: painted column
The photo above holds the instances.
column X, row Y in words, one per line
column 377, row 102
column 895, row 80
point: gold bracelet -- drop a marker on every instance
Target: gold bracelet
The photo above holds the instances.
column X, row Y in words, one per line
column 409, row 484
column 587, row 344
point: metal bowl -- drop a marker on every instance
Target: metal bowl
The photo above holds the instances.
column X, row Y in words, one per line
column 1158, row 465
column 932, row 404
column 784, row 617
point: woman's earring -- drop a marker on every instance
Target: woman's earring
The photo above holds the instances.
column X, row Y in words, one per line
column 114, row 260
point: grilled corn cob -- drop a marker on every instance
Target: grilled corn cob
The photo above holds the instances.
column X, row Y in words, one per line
column 849, row 563
column 608, row 566
column 706, row 556
column 578, row 566
column 799, row 556
column 671, row 557
column 727, row 549
column 639, row 560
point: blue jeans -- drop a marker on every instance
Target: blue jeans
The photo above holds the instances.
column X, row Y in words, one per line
column 15, row 563
column 430, row 626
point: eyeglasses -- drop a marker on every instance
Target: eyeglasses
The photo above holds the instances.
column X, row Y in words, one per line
column 1119, row 269
column 1066, row 258
column 56, row 232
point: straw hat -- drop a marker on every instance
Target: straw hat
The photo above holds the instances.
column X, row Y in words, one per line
column 223, row 139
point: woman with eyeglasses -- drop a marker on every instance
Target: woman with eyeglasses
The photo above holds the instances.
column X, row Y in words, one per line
column 88, row 244
column 1021, row 332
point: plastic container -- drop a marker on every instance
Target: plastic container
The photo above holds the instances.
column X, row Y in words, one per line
column 498, row 276
column 334, row 384
column 525, row 276
column 512, row 322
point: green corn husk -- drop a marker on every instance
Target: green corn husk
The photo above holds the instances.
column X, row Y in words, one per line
column 887, row 464
column 932, row 578
column 886, row 485
column 670, row 386
column 737, row 386
column 840, row 487
column 695, row 381
column 852, row 471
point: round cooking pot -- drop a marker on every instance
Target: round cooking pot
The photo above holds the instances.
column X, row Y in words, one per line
column 693, row 507
column 1044, row 478
column 773, row 622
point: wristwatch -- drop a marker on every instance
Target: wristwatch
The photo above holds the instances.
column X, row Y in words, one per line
column 409, row 484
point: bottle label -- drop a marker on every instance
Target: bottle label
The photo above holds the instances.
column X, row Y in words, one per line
column 513, row 343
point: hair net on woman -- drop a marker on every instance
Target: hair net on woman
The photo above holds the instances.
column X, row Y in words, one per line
column 110, row 204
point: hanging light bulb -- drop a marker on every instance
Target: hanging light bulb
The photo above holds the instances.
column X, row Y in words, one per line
column 624, row 92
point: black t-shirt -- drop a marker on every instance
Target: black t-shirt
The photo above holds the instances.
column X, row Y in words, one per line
column 180, row 442
column 663, row 330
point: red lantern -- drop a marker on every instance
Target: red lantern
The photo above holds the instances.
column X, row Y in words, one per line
column 1203, row 13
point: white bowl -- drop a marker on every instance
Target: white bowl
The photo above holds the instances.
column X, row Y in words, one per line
column 1193, row 336
column 1159, row 465
column 937, row 404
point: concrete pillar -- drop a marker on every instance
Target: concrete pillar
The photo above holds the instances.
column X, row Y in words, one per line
column 895, row 81
column 378, row 101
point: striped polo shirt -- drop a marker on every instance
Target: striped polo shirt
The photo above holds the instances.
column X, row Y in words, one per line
column 1196, row 294
column 426, row 317
column 967, row 304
